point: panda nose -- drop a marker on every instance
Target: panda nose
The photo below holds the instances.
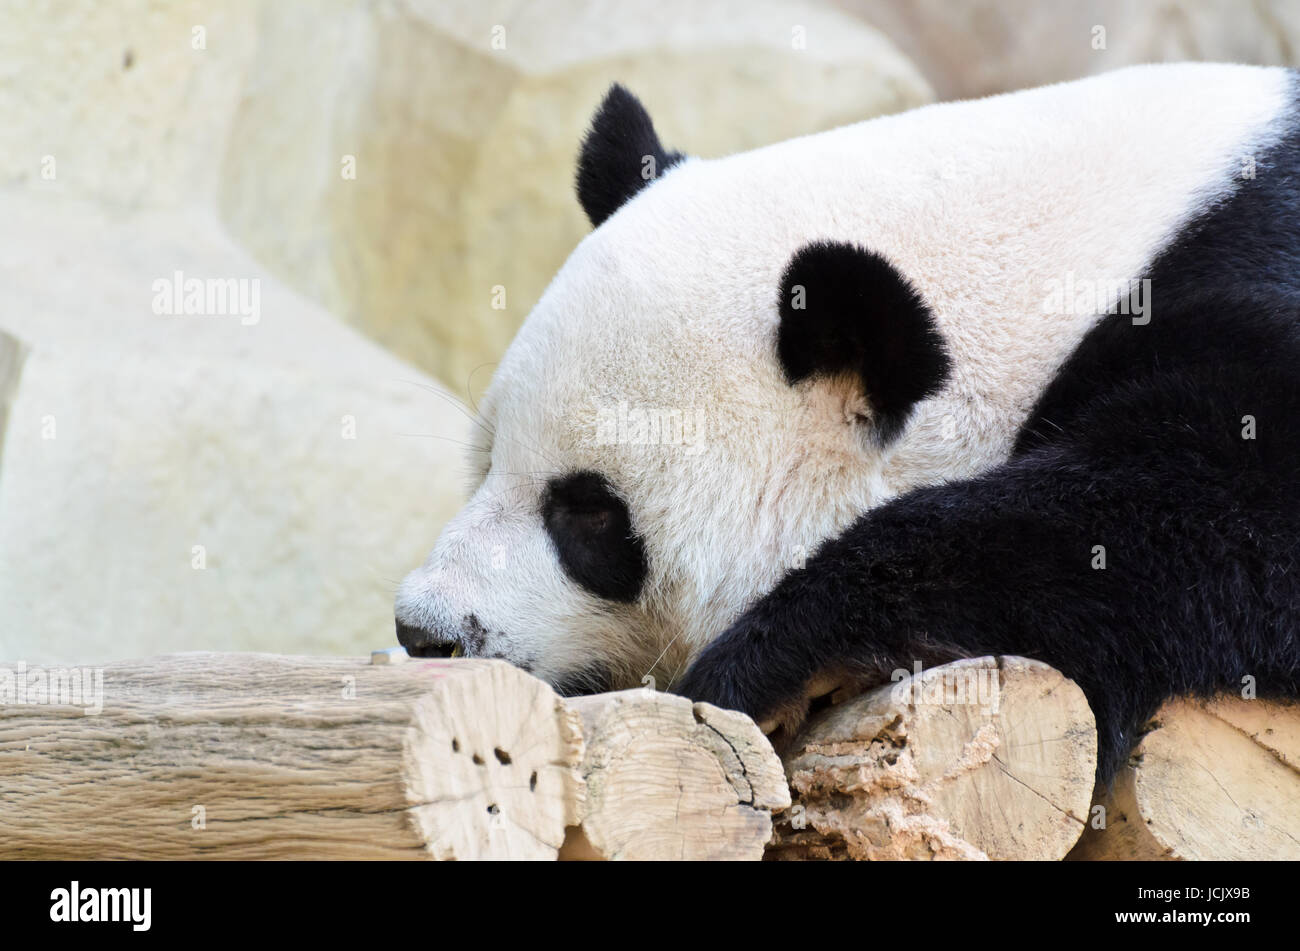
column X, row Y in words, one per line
column 423, row 643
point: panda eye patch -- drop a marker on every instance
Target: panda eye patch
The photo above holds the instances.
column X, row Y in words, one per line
column 592, row 523
column 591, row 530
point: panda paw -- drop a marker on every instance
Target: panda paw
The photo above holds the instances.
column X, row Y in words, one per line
column 736, row 672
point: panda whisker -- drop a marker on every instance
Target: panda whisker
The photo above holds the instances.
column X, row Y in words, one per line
column 471, row 415
column 469, row 380
column 516, row 487
column 391, row 583
column 474, row 418
column 661, row 657
column 472, row 447
column 533, row 449
column 677, row 672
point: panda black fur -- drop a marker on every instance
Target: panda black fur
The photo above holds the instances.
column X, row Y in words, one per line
column 1173, row 444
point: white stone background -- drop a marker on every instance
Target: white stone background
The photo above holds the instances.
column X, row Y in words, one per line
column 128, row 438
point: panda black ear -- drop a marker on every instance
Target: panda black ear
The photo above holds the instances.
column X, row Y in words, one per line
column 620, row 155
column 847, row 310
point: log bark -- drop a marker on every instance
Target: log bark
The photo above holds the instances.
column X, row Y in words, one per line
column 990, row 758
column 1211, row 780
column 668, row 779
column 261, row 756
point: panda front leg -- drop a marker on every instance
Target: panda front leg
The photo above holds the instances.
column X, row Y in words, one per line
column 1138, row 577
column 906, row 582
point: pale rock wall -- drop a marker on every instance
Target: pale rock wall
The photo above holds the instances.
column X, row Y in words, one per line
column 465, row 153
column 970, row 48
column 128, row 438
column 304, row 460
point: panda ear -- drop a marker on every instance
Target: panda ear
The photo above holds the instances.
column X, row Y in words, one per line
column 846, row 310
column 620, row 155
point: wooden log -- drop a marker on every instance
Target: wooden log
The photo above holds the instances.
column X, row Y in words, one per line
column 262, row 756
column 990, row 758
column 1211, row 780
column 668, row 779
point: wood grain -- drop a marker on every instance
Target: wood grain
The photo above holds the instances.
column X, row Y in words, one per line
column 990, row 758
column 261, row 756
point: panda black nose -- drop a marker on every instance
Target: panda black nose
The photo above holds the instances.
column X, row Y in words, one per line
column 422, row 643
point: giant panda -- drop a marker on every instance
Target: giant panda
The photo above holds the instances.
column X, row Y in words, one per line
column 1011, row 376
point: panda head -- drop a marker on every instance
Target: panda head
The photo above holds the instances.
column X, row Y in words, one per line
column 715, row 381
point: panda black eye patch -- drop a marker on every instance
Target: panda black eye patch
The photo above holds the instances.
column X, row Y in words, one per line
column 592, row 533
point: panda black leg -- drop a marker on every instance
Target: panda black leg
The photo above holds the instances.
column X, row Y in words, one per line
column 1152, row 553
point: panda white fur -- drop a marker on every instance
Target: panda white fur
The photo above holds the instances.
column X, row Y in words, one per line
column 852, row 401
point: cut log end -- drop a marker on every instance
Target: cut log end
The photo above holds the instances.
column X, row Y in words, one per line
column 1210, row 780
column 668, row 779
column 491, row 764
column 982, row 758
